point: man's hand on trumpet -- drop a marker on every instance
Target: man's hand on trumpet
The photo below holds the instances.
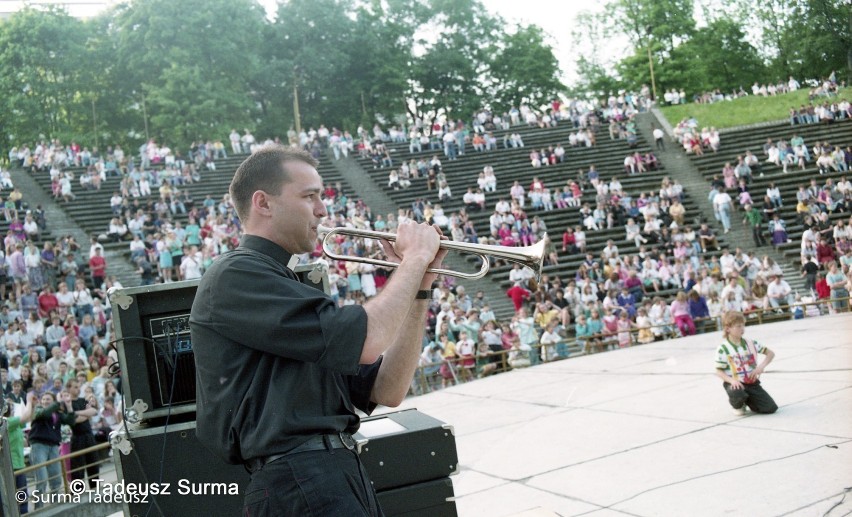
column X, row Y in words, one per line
column 416, row 241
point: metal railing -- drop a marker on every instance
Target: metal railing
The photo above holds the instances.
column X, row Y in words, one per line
column 50, row 497
column 451, row 371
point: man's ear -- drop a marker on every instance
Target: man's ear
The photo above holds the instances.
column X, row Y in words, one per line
column 260, row 203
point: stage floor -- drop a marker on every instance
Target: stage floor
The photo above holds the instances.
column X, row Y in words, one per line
column 647, row 431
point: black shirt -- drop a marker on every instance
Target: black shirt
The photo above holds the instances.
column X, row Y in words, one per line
column 810, row 268
column 85, row 427
column 276, row 360
column 47, row 424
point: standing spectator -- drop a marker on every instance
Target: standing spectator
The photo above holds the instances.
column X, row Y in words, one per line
column 234, row 137
column 659, row 138
column 18, row 268
column 81, row 437
column 755, row 220
column 68, row 268
column 518, row 295
column 97, row 267
column 722, row 205
column 45, row 437
column 836, row 281
column 16, row 441
column 35, row 271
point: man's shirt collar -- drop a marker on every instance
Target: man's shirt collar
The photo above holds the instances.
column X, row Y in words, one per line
column 267, row 247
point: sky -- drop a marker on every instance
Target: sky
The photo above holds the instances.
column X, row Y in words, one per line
column 555, row 17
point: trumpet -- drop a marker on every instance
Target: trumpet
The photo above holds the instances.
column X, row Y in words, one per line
column 529, row 256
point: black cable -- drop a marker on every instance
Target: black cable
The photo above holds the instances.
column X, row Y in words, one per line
column 143, row 338
column 174, row 349
column 138, row 461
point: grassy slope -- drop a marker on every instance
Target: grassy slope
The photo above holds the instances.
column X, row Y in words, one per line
column 739, row 112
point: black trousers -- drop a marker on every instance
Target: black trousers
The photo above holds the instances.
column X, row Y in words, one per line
column 316, row 483
column 751, row 395
column 78, row 443
column 757, row 235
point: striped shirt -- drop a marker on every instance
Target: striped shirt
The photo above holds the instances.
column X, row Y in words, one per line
column 738, row 360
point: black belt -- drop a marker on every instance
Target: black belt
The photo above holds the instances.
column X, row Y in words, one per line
column 316, row 443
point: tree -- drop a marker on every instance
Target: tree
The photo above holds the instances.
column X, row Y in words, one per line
column 588, row 36
column 43, row 88
column 380, row 71
column 718, row 56
column 524, row 70
column 451, row 75
column 666, row 22
column 312, row 47
column 820, row 41
column 191, row 62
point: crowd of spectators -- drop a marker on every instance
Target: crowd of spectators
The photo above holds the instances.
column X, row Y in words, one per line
column 612, row 300
column 55, row 337
column 826, row 87
column 694, row 141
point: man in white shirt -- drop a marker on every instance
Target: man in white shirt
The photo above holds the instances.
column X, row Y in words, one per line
column 726, row 262
column 722, row 205
column 779, row 293
column 502, row 206
column 808, row 236
column 449, row 145
column 733, row 286
column 610, row 251
column 235, row 141
column 446, row 313
column 53, row 363
column 659, row 138
column 520, row 275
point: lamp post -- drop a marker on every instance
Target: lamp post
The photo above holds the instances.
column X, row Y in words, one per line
column 94, row 122
column 296, row 114
column 145, row 118
column 649, row 30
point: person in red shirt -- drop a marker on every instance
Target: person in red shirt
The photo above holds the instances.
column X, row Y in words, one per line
column 97, row 267
column 825, row 253
column 518, row 294
column 822, row 289
column 47, row 301
column 569, row 241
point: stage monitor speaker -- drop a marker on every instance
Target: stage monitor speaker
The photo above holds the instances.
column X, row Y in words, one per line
column 405, row 448
column 154, row 345
column 154, row 348
column 409, row 468
column 428, row 499
column 199, row 483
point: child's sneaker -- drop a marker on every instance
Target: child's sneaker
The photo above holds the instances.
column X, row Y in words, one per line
column 741, row 411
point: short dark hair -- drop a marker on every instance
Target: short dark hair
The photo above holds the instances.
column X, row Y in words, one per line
column 263, row 170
